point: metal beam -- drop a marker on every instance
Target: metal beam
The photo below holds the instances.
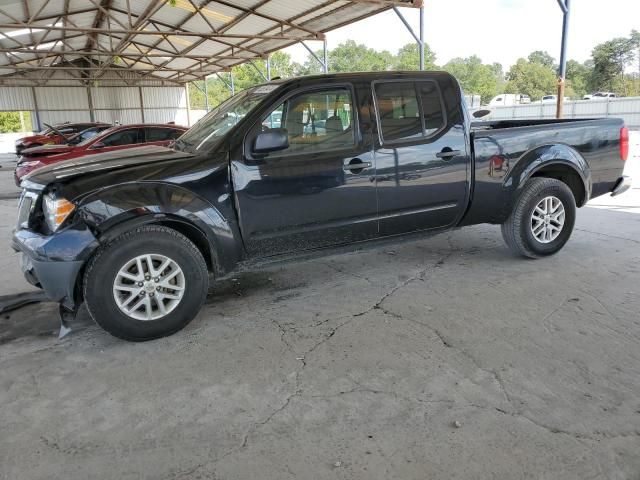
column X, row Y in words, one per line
column 562, row 70
column 162, row 33
column 259, row 71
column 418, row 38
column 107, row 53
column 322, row 63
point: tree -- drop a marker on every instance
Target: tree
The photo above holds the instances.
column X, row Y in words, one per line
column 475, row 77
column 609, row 62
column 635, row 43
column 578, row 78
column 245, row 76
column 349, row 57
column 541, row 57
column 408, row 58
column 531, row 78
column 10, row 122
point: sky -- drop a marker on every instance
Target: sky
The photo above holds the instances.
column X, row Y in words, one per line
column 495, row 30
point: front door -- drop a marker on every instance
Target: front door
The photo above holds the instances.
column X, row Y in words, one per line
column 421, row 155
column 320, row 190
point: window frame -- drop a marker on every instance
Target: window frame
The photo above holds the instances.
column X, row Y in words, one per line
column 414, row 81
column 356, row 138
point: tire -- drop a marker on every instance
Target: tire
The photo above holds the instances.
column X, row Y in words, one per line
column 525, row 235
column 186, row 277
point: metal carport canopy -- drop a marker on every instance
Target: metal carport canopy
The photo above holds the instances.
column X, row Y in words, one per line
column 175, row 41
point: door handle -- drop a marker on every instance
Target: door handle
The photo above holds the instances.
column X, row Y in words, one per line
column 356, row 164
column 447, row 153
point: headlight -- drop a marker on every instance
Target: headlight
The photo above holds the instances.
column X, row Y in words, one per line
column 18, row 142
column 28, row 163
column 56, row 210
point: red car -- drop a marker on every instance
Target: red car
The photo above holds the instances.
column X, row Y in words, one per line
column 54, row 135
column 114, row 138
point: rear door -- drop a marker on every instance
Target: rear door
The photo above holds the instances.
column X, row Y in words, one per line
column 421, row 154
column 319, row 191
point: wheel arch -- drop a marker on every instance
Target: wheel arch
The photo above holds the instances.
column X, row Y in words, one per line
column 110, row 212
column 558, row 161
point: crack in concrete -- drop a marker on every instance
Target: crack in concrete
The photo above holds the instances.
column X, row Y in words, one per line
column 302, row 358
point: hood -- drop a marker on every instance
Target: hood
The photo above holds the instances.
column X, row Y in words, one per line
column 39, row 139
column 45, row 150
column 98, row 164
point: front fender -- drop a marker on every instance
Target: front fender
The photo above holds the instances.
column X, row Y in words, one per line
column 113, row 210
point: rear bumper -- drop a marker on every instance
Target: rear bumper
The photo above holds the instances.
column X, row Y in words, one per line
column 53, row 262
column 622, row 185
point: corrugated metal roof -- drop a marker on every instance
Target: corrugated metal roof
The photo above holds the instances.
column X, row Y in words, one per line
column 176, row 40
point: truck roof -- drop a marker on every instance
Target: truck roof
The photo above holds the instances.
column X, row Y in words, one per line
column 378, row 75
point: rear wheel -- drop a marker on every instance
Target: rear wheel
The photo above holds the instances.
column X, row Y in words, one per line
column 146, row 283
column 542, row 218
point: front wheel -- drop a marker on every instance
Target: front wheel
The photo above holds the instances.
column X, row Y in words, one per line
column 146, row 283
column 542, row 218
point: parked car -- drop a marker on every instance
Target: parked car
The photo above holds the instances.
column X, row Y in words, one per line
column 600, row 95
column 137, row 234
column 53, row 135
column 109, row 140
column 509, row 99
column 552, row 99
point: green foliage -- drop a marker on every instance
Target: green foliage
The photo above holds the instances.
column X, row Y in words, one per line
column 534, row 76
column 476, row 77
column 245, row 76
column 531, row 78
column 408, row 58
column 609, row 61
column 541, row 57
column 578, row 78
column 10, row 122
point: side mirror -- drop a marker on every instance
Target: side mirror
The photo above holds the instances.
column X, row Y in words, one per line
column 271, row 141
column 98, row 145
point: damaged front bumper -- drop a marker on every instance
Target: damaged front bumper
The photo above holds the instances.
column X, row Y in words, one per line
column 53, row 262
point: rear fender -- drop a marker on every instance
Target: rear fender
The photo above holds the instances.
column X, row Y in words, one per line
column 112, row 211
column 540, row 158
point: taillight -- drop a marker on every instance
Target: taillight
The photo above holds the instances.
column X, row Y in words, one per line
column 624, row 143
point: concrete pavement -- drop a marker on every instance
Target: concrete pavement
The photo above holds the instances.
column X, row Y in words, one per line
column 442, row 358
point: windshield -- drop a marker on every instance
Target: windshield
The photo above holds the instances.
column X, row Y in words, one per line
column 220, row 120
column 92, row 137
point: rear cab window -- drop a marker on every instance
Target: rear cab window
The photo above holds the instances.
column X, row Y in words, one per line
column 408, row 110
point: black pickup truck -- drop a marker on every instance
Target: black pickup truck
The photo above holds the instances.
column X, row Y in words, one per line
column 294, row 166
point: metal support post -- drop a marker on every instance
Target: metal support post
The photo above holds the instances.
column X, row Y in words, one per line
column 562, row 71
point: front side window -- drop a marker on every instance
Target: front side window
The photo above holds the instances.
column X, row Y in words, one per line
column 315, row 121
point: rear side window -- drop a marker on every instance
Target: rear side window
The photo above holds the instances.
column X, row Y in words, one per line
column 123, row 137
column 432, row 108
column 409, row 110
column 161, row 134
column 398, row 111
